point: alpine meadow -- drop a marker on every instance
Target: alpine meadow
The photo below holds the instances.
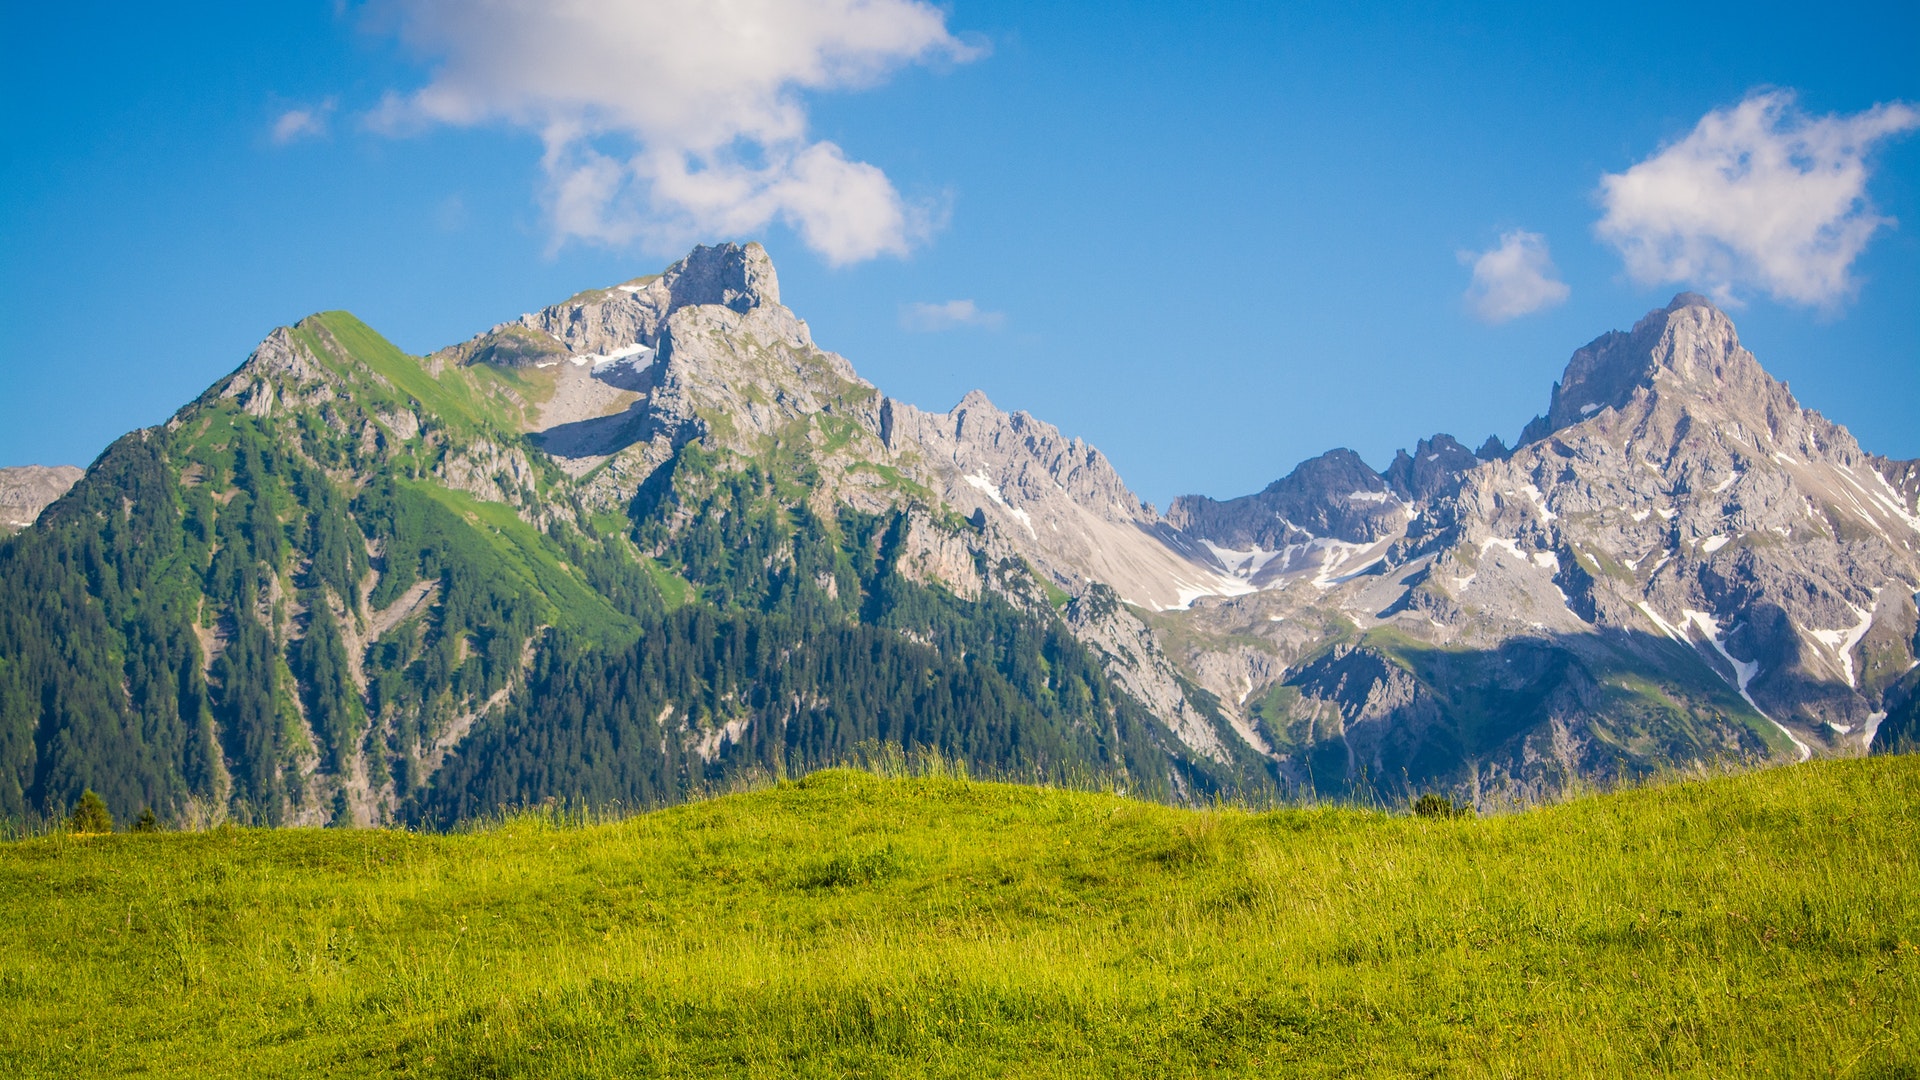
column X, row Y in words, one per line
column 633, row 686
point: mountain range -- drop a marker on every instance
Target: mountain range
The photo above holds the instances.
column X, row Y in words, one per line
column 652, row 540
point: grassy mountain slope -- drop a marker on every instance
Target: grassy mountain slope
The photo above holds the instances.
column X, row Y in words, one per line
column 845, row 924
column 344, row 586
column 217, row 620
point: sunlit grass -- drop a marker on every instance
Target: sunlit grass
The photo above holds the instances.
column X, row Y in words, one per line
column 849, row 924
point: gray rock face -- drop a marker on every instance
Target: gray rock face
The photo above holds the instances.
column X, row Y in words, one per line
column 25, row 490
column 602, row 322
column 1433, row 469
column 1698, row 499
column 1334, row 496
column 1056, row 499
column 1137, row 664
column 1718, row 571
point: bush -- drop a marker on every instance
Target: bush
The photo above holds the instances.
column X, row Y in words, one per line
column 90, row 814
column 146, row 822
column 1440, row 806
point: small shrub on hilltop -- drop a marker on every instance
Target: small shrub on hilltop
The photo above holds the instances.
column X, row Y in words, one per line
column 90, row 814
column 1435, row 805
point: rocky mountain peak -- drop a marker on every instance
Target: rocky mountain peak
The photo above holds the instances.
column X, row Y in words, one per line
column 727, row 275
column 1691, row 343
column 614, row 322
column 1334, row 496
column 1434, row 466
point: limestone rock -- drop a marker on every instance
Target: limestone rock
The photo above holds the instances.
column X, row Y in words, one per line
column 25, row 490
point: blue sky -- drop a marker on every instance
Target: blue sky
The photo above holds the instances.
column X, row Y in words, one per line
column 1210, row 239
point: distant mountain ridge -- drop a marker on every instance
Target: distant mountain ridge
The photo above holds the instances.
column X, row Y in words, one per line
column 25, row 490
column 653, row 537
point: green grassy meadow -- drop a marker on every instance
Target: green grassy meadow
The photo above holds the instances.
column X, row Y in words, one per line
column 850, row 924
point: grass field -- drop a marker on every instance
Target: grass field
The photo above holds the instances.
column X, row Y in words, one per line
column 854, row 925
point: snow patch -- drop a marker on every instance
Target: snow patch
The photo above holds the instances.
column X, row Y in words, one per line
column 1546, row 560
column 1712, row 544
column 1540, row 502
column 1335, row 555
column 1641, row 515
column 1870, row 729
column 1027, row 520
column 1509, row 543
column 1722, row 486
column 601, row 361
column 1881, row 499
column 1665, row 627
column 1369, row 496
column 1843, row 641
column 1589, row 409
column 1244, row 564
column 1743, row 670
column 979, row 480
column 1186, row 592
column 992, row 490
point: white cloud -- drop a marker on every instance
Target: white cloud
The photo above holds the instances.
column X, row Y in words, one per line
column 302, row 123
column 677, row 120
column 1760, row 195
column 949, row 315
column 1517, row 278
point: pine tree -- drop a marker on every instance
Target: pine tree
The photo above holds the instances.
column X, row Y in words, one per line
column 90, row 814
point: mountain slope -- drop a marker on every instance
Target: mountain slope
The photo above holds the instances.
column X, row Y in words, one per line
column 654, row 538
column 352, row 585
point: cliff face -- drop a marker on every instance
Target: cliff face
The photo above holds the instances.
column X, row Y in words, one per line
column 25, row 490
column 1678, row 562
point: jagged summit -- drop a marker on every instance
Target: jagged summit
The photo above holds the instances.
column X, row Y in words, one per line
column 610, row 322
column 732, row 276
column 1336, row 495
column 1434, row 466
column 1690, row 341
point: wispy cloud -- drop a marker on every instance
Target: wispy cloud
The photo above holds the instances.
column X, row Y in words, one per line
column 1514, row 279
column 677, row 120
column 1759, row 195
column 949, row 315
column 303, row 123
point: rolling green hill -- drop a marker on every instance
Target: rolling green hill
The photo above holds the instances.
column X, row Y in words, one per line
column 850, row 924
